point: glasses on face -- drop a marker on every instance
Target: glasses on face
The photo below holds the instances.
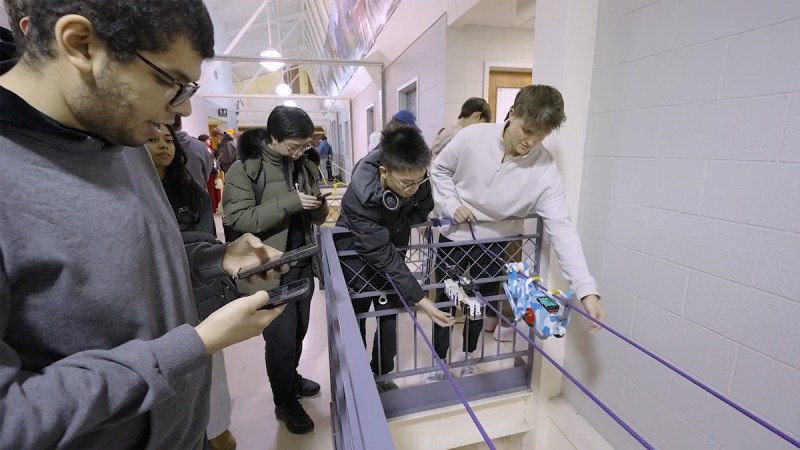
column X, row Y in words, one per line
column 296, row 148
column 185, row 90
column 411, row 186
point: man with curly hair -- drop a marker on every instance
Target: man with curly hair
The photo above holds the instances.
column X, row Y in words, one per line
column 100, row 345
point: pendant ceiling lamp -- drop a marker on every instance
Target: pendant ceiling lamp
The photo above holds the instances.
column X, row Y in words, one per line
column 283, row 89
column 270, row 52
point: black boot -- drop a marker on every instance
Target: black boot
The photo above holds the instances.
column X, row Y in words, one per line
column 305, row 387
column 295, row 417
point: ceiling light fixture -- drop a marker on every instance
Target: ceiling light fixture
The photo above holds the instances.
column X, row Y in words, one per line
column 272, row 66
column 283, row 89
column 270, row 52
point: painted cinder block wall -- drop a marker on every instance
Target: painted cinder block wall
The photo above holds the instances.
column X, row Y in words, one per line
column 690, row 217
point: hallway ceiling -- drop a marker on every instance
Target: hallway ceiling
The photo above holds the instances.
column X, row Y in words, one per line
column 299, row 27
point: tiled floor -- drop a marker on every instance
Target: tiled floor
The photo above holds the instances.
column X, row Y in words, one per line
column 253, row 420
column 253, row 413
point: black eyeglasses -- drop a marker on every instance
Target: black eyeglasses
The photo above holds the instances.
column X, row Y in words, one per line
column 185, row 90
column 411, row 186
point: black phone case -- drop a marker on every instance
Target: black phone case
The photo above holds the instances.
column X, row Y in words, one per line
column 286, row 258
column 293, row 291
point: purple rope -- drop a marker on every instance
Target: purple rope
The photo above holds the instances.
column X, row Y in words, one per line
column 443, row 367
column 569, row 376
column 685, row 375
column 675, row 369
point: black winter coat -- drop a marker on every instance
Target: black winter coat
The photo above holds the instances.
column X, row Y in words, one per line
column 376, row 232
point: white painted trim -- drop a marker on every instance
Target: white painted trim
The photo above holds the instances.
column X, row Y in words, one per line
column 489, row 65
column 501, row 416
column 366, row 115
column 404, row 87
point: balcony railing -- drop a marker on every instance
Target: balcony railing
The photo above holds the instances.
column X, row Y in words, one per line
column 359, row 411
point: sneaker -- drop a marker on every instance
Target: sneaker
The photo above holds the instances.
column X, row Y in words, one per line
column 224, row 441
column 433, row 377
column 503, row 334
column 295, row 417
column 305, row 387
column 490, row 323
column 385, row 386
column 469, row 369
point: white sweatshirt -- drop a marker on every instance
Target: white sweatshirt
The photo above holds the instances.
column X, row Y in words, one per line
column 470, row 172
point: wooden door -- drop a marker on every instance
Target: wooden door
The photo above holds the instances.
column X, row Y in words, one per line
column 503, row 86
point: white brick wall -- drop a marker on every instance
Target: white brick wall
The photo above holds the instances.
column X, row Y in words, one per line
column 755, row 193
column 691, row 197
column 777, row 397
column 759, row 63
column 730, row 429
column 660, row 424
column 721, row 248
column 746, row 129
column 777, row 270
column 719, row 306
column 468, row 49
column 791, row 139
column 628, row 133
column 618, row 223
column 653, row 280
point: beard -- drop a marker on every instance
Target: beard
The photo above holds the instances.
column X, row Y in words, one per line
column 102, row 107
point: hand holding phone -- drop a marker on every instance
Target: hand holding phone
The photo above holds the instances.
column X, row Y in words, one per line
column 321, row 197
column 309, row 202
column 286, row 258
column 287, row 293
column 247, row 251
column 236, row 321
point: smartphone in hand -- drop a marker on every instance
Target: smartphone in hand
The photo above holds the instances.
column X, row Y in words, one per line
column 286, row 258
column 322, row 197
column 287, row 293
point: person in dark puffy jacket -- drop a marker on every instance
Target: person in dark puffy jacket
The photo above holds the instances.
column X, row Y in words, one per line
column 389, row 192
column 282, row 217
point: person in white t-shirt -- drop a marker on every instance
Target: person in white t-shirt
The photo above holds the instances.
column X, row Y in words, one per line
column 474, row 110
column 493, row 173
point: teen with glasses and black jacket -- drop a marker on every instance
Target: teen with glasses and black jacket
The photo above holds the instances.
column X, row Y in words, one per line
column 388, row 194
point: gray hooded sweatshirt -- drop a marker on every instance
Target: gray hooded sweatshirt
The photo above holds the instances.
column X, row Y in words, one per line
column 97, row 345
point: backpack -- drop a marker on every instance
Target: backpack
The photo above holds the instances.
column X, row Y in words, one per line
column 227, row 154
column 258, row 189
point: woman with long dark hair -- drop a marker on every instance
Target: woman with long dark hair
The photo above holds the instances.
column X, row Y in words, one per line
column 192, row 209
column 282, row 217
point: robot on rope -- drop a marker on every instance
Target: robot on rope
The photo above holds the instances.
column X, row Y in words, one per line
column 546, row 312
column 460, row 289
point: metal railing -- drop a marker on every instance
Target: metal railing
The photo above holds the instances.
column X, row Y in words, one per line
column 504, row 367
column 356, row 413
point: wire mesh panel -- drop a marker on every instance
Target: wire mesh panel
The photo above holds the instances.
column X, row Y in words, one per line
column 407, row 378
column 334, row 201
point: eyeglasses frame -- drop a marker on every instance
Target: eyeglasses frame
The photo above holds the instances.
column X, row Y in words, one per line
column 185, row 90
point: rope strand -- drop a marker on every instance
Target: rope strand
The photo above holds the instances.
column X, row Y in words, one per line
column 443, row 367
